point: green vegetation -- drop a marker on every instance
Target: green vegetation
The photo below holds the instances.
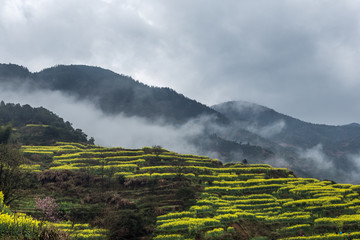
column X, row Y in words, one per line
column 38, row 126
column 152, row 193
column 115, row 94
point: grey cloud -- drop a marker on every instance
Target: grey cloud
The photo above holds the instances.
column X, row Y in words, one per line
column 274, row 53
column 119, row 130
column 268, row 130
column 317, row 158
column 353, row 173
column 279, row 162
column 298, row 57
column 316, row 162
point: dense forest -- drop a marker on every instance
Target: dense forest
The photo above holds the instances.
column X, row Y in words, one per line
column 38, row 125
column 111, row 92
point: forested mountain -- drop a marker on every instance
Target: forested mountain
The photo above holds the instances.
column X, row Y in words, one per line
column 112, row 93
column 288, row 130
column 230, row 131
column 38, row 125
column 337, row 143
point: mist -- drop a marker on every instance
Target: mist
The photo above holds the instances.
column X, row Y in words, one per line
column 279, row 163
column 137, row 132
column 109, row 131
column 353, row 174
column 316, row 162
column 267, row 131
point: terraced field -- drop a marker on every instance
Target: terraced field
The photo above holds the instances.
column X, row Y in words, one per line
column 234, row 201
column 22, row 226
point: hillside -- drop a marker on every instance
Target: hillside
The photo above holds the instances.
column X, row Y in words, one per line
column 230, row 131
column 296, row 138
column 153, row 193
column 116, row 94
column 38, row 125
column 111, row 92
column 293, row 131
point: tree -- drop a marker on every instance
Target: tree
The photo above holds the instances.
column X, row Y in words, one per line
column 48, row 207
column 92, row 141
column 110, row 173
column 186, row 195
column 11, row 175
column 5, row 134
column 157, row 150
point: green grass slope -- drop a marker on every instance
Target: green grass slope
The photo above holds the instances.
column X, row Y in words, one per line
column 153, row 193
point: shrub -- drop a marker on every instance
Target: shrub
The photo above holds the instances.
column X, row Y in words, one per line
column 48, row 207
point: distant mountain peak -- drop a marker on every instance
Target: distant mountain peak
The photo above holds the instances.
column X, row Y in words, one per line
column 111, row 92
column 242, row 105
column 352, row 125
column 247, row 111
column 13, row 71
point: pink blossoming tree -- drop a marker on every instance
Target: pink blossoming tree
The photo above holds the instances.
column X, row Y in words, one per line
column 48, row 207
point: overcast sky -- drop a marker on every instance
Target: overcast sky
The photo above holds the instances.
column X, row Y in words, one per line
column 299, row 57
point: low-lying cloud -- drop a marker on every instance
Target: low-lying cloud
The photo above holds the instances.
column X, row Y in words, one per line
column 279, row 162
column 267, row 131
column 353, row 173
column 317, row 157
column 137, row 132
column 316, row 162
column 119, row 130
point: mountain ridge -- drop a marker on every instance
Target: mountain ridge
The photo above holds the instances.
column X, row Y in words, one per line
column 235, row 110
column 111, row 85
column 281, row 139
column 115, row 93
column 321, row 141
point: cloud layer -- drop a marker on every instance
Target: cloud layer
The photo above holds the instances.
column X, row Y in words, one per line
column 127, row 132
column 296, row 56
column 136, row 132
